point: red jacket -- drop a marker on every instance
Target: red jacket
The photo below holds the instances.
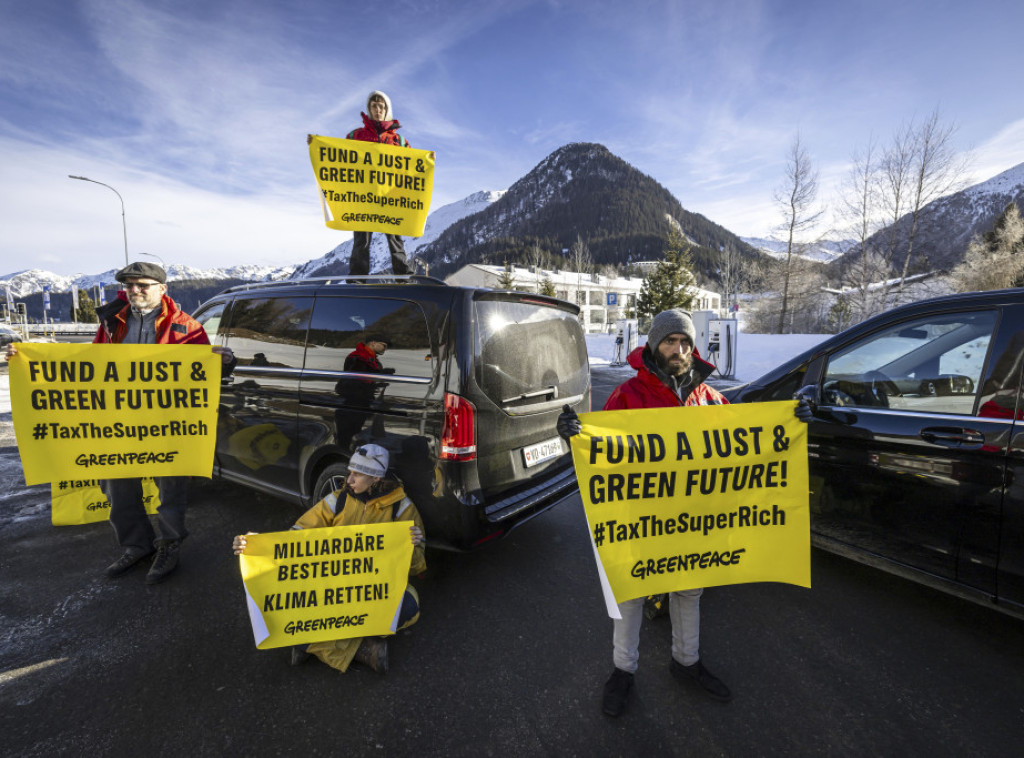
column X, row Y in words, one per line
column 173, row 325
column 646, row 390
column 379, row 131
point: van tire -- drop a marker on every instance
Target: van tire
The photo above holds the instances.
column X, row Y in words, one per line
column 331, row 478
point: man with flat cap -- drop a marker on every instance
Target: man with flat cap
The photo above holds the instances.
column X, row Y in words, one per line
column 143, row 314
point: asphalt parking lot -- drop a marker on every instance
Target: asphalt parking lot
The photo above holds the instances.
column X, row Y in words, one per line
column 508, row 659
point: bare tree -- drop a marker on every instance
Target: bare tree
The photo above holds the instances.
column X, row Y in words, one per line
column 796, row 198
column 538, row 258
column 734, row 273
column 895, row 181
column 582, row 263
column 996, row 259
column 861, row 204
column 937, row 170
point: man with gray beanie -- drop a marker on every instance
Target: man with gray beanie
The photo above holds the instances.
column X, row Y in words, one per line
column 670, row 374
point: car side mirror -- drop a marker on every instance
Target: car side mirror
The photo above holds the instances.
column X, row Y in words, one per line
column 811, row 394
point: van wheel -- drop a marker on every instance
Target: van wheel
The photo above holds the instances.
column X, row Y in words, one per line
column 331, row 478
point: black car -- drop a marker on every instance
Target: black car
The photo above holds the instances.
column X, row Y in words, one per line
column 8, row 335
column 916, row 454
column 465, row 396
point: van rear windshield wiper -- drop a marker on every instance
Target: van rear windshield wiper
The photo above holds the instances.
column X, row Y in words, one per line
column 552, row 390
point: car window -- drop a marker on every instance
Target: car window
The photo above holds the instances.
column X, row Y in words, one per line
column 527, row 353
column 211, row 318
column 932, row 365
column 269, row 332
column 340, row 324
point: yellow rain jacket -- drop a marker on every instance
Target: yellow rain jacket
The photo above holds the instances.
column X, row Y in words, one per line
column 392, row 505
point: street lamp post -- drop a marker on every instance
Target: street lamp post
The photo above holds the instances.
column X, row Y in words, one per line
column 124, row 226
column 154, row 255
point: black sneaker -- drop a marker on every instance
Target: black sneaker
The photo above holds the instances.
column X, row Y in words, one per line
column 165, row 562
column 713, row 686
column 616, row 692
column 129, row 559
column 299, row 655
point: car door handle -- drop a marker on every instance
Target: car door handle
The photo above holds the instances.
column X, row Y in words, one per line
column 951, row 437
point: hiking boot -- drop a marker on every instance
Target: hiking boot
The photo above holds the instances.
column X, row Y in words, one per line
column 616, row 692
column 373, row 654
column 129, row 559
column 299, row 654
column 165, row 562
column 713, row 686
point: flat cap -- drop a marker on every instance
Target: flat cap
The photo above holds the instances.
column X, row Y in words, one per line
column 140, row 270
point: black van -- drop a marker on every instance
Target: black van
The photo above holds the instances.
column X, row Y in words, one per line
column 465, row 397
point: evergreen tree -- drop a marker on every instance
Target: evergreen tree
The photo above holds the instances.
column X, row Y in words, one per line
column 547, row 287
column 86, row 312
column 507, row 280
column 671, row 283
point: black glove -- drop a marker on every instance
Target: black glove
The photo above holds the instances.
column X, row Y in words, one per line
column 568, row 423
column 803, row 410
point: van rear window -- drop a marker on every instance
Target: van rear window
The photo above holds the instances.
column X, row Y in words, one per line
column 529, row 353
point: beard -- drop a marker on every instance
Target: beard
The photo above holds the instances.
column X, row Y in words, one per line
column 674, row 367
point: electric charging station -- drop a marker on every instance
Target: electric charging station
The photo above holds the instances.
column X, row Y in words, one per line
column 627, row 334
column 716, row 341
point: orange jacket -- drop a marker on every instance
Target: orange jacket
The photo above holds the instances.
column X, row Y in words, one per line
column 173, row 325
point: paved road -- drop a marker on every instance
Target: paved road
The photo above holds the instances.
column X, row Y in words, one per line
column 508, row 659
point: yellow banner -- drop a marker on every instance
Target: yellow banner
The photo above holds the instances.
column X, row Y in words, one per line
column 114, row 411
column 372, row 187
column 315, row 585
column 83, row 502
column 680, row 498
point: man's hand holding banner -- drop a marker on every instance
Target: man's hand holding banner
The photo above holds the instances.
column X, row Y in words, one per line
column 372, row 187
column 315, row 585
column 114, row 411
column 696, row 497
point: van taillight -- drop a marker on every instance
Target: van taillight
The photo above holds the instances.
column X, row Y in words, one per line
column 458, row 438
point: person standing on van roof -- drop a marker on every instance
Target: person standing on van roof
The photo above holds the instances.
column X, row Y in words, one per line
column 670, row 373
column 144, row 314
column 366, row 498
column 379, row 126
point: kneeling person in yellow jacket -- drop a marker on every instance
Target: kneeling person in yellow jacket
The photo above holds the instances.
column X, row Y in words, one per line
column 366, row 498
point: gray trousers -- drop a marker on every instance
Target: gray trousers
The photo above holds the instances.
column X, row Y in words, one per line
column 359, row 264
column 128, row 513
column 683, row 610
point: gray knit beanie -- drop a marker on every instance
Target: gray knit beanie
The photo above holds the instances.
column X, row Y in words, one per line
column 674, row 321
column 371, row 460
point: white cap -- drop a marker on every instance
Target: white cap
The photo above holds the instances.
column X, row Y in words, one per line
column 371, row 460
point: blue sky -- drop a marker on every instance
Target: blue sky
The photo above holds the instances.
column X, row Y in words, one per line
column 196, row 112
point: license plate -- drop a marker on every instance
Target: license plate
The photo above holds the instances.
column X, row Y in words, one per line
column 542, row 451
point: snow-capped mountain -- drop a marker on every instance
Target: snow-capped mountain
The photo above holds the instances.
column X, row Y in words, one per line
column 336, row 261
column 823, row 251
column 947, row 225
column 581, row 191
column 24, row 283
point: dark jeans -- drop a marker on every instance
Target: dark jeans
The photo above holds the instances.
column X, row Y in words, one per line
column 359, row 264
column 128, row 513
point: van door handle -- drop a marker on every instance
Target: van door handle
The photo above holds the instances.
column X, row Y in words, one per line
column 952, row 437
